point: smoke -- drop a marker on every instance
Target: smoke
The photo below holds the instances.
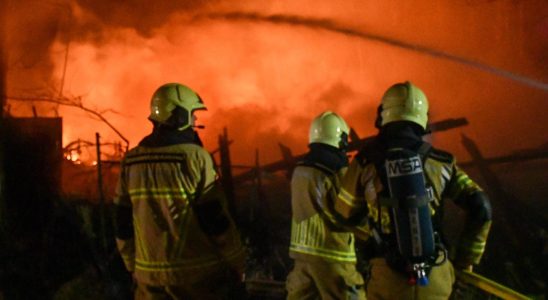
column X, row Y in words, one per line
column 266, row 69
column 141, row 15
column 337, row 28
column 28, row 37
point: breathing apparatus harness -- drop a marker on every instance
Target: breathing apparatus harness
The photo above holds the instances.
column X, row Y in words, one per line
column 414, row 246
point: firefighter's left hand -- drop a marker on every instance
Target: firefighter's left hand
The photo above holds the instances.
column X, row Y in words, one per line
column 463, row 266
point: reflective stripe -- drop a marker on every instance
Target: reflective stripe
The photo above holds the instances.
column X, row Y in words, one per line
column 310, row 237
column 464, row 181
column 168, row 242
column 144, row 158
column 385, row 217
column 346, row 197
column 143, row 193
column 327, row 253
column 128, row 259
column 178, row 211
column 309, row 232
column 474, row 246
column 445, row 173
column 169, row 266
column 190, row 263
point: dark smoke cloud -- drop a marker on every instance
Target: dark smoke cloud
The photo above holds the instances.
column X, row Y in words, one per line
column 32, row 26
column 29, row 35
column 142, row 15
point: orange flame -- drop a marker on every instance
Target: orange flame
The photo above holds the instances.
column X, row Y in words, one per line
column 266, row 71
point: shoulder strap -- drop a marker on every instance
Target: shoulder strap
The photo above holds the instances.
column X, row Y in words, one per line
column 331, row 174
column 424, row 150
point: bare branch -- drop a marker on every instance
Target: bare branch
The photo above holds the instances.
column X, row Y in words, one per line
column 111, row 111
column 74, row 102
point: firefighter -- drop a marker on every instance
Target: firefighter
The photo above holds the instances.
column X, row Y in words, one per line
column 324, row 255
column 371, row 192
column 173, row 229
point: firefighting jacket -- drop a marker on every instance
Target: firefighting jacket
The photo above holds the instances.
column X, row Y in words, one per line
column 163, row 188
column 315, row 234
column 362, row 186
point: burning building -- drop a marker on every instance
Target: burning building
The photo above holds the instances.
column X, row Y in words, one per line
column 266, row 68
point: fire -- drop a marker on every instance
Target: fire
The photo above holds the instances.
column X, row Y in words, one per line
column 265, row 70
column 258, row 97
column 73, row 156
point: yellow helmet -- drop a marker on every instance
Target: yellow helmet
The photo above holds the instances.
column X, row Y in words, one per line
column 404, row 102
column 171, row 95
column 330, row 129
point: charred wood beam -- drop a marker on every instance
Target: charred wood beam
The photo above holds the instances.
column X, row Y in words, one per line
column 512, row 212
column 226, row 172
column 288, row 164
column 512, row 158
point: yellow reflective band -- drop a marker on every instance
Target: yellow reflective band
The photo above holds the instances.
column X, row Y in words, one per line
column 477, row 248
column 167, row 266
column 464, row 180
column 187, row 263
column 309, row 232
column 385, row 217
column 385, row 220
column 309, row 237
column 474, row 242
column 326, row 253
column 346, row 197
column 446, row 172
column 127, row 258
column 154, row 158
column 479, row 244
column 373, row 212
column 154, row 192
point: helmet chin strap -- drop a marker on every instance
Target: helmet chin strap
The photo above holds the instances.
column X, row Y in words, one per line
column 378, row 120
column 343, row 143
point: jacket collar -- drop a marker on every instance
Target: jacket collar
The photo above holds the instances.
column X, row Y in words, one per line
column 164, row 136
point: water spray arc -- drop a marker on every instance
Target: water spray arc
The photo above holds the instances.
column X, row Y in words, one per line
column 331, row 26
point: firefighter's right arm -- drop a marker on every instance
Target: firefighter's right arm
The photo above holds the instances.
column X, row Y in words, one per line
column 350, row 203
column 211, row 211
column 123, row 222
column 209, row 199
